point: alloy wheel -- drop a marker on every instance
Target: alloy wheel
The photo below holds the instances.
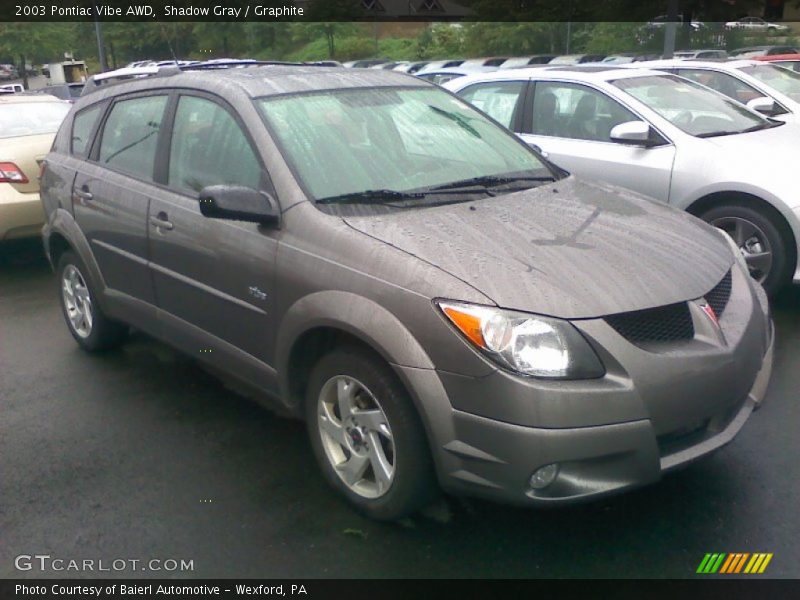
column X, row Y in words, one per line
column 753, row 243
column 77, row 301
column 356, row 436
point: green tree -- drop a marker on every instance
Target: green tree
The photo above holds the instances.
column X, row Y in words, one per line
column 328, row 16
column 26, row 42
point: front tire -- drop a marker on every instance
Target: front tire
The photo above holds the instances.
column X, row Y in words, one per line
column 765, row 246
column 367, row 436
column 85, row 320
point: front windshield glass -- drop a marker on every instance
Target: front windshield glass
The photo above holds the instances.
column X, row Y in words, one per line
column 403, row 140
column 691, row 107
column 778, row 78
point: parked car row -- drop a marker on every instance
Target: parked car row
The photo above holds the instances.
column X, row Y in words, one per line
column 443, row 305
column 680, row 142
column 436, row 66
column 750, row 24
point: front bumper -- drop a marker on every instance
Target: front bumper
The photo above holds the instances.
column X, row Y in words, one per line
column 21, row 215
column 495, row 460
column 606, row 435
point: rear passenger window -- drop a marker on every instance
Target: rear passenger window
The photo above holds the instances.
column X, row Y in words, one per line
column 82, row 127
column 498, row 99
column 130, row 135
column 209, row 148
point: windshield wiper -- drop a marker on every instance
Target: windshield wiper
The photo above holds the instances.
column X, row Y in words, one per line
column 490, row 180
column 370, row 195
column 389, row 197
column 758, row 127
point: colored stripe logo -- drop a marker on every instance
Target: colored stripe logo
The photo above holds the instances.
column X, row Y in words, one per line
column 735, row 562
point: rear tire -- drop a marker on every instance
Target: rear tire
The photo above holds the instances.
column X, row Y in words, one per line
column 376, row 455
column 85, row 319
column 757, row 232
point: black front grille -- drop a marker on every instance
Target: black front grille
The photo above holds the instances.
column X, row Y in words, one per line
column 663, row 324
column 719, row 296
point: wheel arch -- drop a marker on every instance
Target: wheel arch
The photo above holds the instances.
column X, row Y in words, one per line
column 61, row 234
column 318, row 322
column 781, row 214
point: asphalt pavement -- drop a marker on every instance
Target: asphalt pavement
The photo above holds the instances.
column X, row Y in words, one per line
column 140, row 454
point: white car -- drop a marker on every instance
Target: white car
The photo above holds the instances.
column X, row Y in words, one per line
column 771, row 89
column 666, row 137
column 441, row 76
column 436, row 65
column 710, row 53
column 662, row 20
column 12, row 88
column 756, row 24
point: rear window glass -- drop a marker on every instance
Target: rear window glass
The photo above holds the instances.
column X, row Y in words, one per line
column 82, row 127
column 31, row 118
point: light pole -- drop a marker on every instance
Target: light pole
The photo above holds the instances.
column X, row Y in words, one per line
column 670, row 30
column 101, row 48
column 569, row 26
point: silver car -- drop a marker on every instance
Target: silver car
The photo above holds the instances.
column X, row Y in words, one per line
column 437, row 301
column 765, row 87
column 666, row 137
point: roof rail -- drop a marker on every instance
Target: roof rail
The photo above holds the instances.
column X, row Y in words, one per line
column 127, row 73
column 247, row 62
column 119, row 75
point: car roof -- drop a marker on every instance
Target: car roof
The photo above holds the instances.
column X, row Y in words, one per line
column 702, row 63
column 587, row 73
column 255, row 80
column 27, row 97
column 774, row 57
column 468, row 70
column 754, row 48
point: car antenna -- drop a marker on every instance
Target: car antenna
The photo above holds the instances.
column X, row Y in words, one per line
column 169, row 43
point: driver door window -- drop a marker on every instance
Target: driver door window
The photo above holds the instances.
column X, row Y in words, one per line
column 209, row 148
column 576, row 112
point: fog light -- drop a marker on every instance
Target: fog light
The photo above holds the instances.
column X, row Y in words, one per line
column 544, row 476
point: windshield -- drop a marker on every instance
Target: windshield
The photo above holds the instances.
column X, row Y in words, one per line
column 691, row 107
column 394, row 140
column 31, row 118
column 778, row 78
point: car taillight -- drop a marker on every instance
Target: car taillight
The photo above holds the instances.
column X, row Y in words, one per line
column 11, row 173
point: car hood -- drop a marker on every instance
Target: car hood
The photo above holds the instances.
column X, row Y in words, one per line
column 570, row 249
column 747, row 145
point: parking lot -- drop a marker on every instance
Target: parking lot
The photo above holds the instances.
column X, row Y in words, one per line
column 141, row 454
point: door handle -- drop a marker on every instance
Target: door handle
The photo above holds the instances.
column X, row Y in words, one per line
column 161, row 221
column 84, row 195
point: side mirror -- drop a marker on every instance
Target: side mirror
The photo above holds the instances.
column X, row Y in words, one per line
column 632, row 133
column 764, row 105
column 238, row 203
column 536, row 148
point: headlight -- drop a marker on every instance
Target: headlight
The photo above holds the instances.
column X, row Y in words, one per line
column 524, row 343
